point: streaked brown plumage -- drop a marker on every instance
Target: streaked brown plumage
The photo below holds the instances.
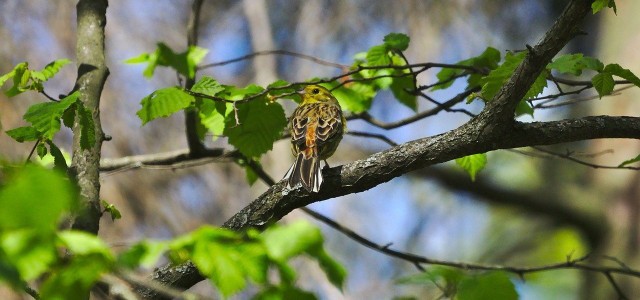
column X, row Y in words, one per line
column 316, row 128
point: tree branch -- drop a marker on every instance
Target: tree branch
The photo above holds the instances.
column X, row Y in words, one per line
column 92, row 75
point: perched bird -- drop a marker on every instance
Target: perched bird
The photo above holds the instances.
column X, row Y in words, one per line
column 316, row 128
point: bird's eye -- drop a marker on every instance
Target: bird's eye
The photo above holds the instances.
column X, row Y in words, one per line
column 315, row 91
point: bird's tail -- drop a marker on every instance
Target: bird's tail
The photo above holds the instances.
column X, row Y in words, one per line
column 305, row 171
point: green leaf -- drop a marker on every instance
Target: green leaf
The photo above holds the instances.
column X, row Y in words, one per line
column 163, row 103
column 145, row 253
column 378, row 56
column 356, row 98
column 31, row 252
column 20, row 74
column 473, row 164
column 208, row 86
column 50, row 69
column 212, row 115
column 285, row 242
column 87, row 127
column 233, row 260
column 497, row 77
column 598, row 5
column 537, row 87
column 83, row 243
column 630, row 161
column 336, row 272
column 603, row 83
column 397, row 41
column 280, row 87
column 619, row 71
column 24, row 134
column 59, row 161
column 400, row 86
column 112, row 210
column 45, row 117
column 524, row 108
column 492, row 285
column 260, row 125
column 41, row 149
column 574, row 64
column 184, row 63
column 75, row 279
column 35, row 187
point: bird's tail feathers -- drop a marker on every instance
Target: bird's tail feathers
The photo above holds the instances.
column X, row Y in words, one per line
column 305, row 171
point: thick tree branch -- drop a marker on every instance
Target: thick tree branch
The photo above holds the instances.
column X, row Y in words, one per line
column 92, row 74
column 503, row 106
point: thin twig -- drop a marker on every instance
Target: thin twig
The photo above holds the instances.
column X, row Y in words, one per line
column 569, row 156
column 372, row 135
column 274, row 52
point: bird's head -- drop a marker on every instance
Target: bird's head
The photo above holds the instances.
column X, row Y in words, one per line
column 316, row 93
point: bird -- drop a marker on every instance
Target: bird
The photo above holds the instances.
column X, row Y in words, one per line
column 316, row 127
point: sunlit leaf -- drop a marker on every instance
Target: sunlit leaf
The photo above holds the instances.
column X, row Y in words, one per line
column 492, row 285
column 163, row 103
column 255, row 126
column 473, row 164
column 45, row 117
column 35, row 197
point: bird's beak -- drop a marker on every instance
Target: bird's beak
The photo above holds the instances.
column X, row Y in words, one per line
column 301, row 92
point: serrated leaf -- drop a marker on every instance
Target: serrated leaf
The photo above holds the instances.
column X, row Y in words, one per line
column 260, row 125
column 41, row 149
column 163, row 103
column 145, row 254
column 401, row 87
column 87, row 127
column 59, row 161
column 473, row 164
column 493, row 285
column 524, row 108
column 397, row 41
column 598, row 5
column 212, row 115
column 603, row 83
column 497, row 77
column 378, row 56
column 52, row 69
column 23, row 134
column 538, row 86
column 33, row 186
column 619, row 71
column 630, row 161
column 574, row 64
column 45, row 117
column 208, row 86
